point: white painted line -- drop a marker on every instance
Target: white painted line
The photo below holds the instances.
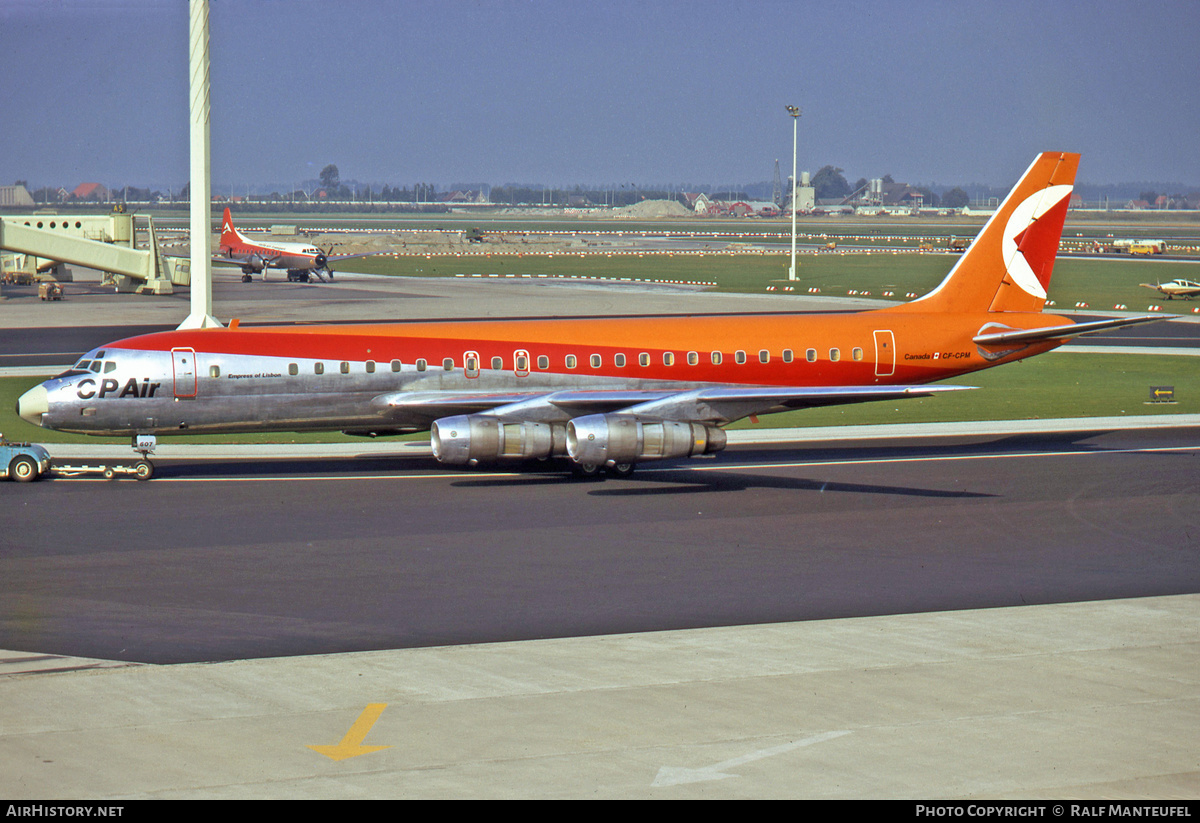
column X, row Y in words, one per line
column 653, row 469
column 675, row 776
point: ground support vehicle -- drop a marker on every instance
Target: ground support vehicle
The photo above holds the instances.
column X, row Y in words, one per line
column 23, row 462
column 142, row 469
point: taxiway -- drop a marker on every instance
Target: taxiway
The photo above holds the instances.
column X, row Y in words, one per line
column 991, row 615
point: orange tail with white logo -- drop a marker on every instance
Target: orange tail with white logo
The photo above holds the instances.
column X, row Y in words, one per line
column 229, row 235
column 1008, row 267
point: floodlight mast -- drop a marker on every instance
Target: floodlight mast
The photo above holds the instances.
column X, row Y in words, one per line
column 795, row 113
column 201, row 182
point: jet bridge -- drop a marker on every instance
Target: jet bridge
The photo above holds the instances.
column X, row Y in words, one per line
column 107, row 242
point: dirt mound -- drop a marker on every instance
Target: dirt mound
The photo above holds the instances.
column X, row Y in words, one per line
column 651, row 209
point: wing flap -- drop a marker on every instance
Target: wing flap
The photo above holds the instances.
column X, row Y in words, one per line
column 724, row 404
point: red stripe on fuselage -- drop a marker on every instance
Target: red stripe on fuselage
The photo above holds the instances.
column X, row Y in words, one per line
column 924, row 351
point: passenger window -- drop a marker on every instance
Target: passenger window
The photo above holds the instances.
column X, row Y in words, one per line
column 497, row 363
column 764, row 356
column 643, row 359
column 716, row 358
column 811, row 355
column 571, row 361
column 596, row 361
column 522, row 363
column 543, row 362
column 370, row 367
column 692, row 358
column 619, row 361
column 293, row 369
column 834, row 355
column 395, row 365
column 857, row 353
column 345, row 367
column 318, row 368
column 421, row 364
column 787, row 355
column 739, row 357
column 214, row 371
column 668, row 358
column 448, row 364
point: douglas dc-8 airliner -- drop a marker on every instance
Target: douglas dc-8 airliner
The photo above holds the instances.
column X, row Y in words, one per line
column 605, row 393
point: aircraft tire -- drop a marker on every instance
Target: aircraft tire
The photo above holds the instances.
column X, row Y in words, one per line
column 143, row 470
column 620, row 470
column 586, row 471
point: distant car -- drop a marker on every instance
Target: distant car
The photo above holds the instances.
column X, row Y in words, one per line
column 22, row 462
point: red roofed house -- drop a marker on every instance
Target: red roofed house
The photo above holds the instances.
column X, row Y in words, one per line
column 90, row 191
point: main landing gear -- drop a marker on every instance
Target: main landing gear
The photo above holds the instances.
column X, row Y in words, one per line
column 588, row 471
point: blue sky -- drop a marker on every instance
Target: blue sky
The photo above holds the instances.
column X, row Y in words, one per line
column 602, row 92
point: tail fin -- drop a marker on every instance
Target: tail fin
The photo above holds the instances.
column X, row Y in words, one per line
column 1008, row 266
column 229, row 235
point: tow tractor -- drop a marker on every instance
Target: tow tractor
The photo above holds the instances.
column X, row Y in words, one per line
column 23, row 462
column 142, row 469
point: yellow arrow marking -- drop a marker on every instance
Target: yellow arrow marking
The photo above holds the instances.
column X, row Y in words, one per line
column 351, row 745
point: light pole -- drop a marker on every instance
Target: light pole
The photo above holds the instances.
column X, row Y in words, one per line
column 795, row 113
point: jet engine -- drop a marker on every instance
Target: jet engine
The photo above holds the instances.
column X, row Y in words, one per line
column 469, row 439
column 612, row 439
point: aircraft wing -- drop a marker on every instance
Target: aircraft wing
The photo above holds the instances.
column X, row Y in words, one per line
column 337, row 257
column 1061, row 332
column 539, row 406
column 234, row 261
column 719, row 404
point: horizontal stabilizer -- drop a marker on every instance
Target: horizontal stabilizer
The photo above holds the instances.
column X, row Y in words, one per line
column 1061, row 332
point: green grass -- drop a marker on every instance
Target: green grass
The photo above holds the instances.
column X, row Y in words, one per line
column 1102, row 284
column 1059, row 384
column 1056, row 385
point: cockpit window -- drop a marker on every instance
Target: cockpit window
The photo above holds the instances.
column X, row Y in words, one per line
column 96, row 364
column 110, row 365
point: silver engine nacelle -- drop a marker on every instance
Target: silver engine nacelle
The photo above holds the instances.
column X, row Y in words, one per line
column 609, row 439
column 468, row 439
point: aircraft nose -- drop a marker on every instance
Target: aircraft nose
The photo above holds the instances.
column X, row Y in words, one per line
column 33, row 404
